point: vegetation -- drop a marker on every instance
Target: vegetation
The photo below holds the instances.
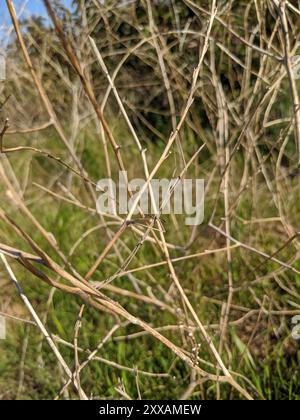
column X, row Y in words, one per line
column 146, row 307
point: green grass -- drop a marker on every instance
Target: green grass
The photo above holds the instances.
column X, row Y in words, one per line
column 272, row 367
